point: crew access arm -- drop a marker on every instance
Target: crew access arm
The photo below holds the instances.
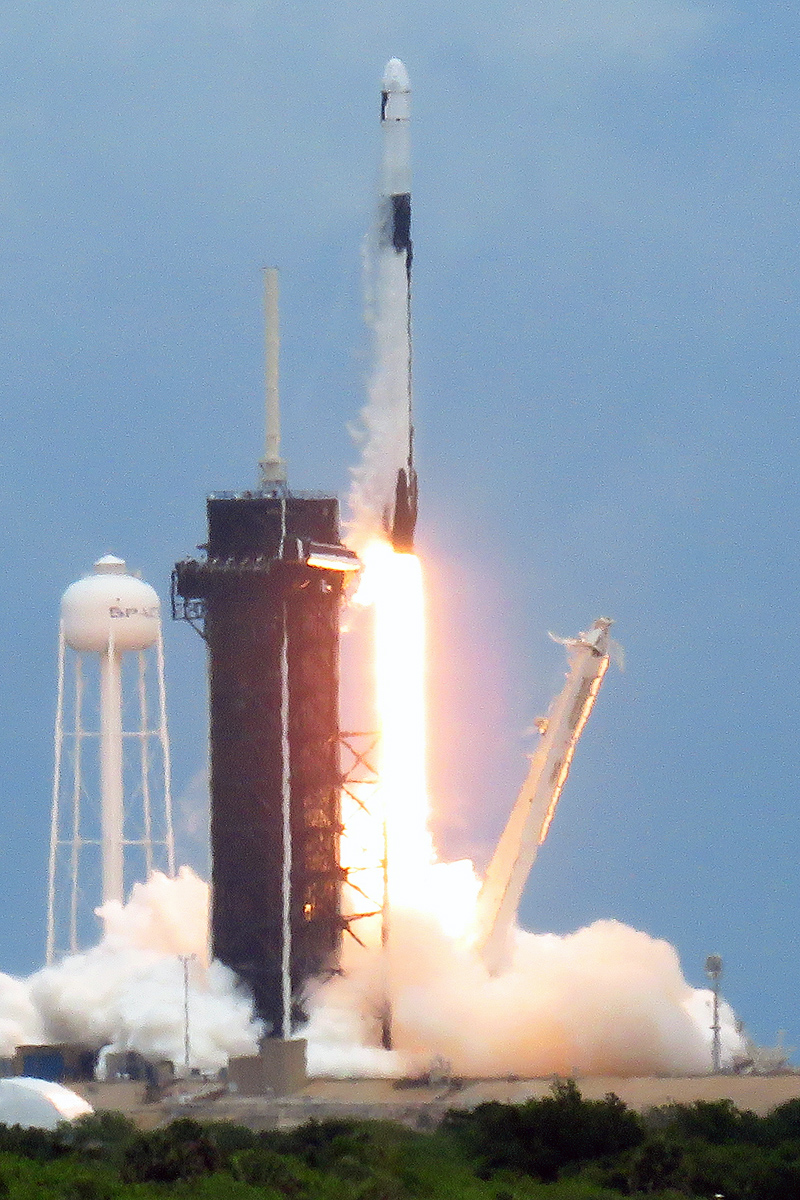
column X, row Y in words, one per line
column 530, row 818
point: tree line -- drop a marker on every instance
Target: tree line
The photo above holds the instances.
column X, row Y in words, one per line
column 560, row 1147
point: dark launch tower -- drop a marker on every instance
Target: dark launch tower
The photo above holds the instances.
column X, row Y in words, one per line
column 267, row 598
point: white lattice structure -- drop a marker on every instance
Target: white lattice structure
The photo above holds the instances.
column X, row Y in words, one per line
column 111, row 818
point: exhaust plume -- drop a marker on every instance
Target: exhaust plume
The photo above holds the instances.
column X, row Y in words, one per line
column 606, row 1000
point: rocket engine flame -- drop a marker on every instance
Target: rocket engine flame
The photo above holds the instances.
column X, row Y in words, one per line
column 387, row 821
column 396, row 582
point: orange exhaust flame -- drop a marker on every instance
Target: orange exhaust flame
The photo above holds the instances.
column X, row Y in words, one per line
column 397, row 804
column 386, row 847
column 392, row 587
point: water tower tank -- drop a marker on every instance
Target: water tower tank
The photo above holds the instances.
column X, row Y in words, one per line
column 110, row 607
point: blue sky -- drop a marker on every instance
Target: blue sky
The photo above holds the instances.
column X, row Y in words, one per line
column 606, row 263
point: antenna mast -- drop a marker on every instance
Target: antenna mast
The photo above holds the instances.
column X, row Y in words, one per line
column 714, row 973
column 273, row 467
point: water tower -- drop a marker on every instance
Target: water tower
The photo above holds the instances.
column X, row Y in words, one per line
column 111, row 784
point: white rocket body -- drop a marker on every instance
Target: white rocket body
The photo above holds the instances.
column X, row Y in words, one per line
column 393, row 302
column 396, row 130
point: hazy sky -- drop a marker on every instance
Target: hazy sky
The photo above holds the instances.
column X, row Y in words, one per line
column 606, row 262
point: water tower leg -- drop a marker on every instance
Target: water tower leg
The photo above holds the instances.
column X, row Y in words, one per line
column 77, row 796
column 111, row 774
column 144, row 764
column 54, row 813
column 163, row 736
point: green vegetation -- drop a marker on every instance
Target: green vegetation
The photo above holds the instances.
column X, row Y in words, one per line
column 559, row 1148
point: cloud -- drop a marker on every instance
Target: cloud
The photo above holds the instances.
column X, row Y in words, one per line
column 643, row 32
column 585, row 31
column 588, row 32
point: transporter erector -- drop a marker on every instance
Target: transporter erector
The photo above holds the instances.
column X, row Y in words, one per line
column 589, row 656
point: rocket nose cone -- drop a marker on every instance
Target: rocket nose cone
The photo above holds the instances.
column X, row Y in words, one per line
column 395, row 77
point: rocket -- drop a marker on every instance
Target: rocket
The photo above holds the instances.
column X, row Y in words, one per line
column 394, row 246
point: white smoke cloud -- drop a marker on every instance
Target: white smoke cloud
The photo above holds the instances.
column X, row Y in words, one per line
column 606, row 1000
column 127, row 992
column 19, row 1021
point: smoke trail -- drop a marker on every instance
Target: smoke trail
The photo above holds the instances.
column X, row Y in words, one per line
column 126, row 993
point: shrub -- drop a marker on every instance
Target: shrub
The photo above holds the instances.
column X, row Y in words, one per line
column 654, row 1166
column 783, row 1123
column 230, row 1139
column 85, row 1187
column 99, row 1135
column 342, row 1175
column 541, row 1137
column 42, row 1145
column 183, row 1150
column 739, row 1172
column 718, row 1122
column 263, row 1167
column 332, row 1145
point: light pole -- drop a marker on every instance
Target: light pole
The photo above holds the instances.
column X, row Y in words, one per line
column 714, row 973
column 186, row 959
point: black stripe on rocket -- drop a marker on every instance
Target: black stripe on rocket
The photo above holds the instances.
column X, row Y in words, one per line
column 404, row 520
column 396, row 226
column 401, row 224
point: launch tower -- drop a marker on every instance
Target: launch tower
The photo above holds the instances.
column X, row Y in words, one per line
column 266, row 598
